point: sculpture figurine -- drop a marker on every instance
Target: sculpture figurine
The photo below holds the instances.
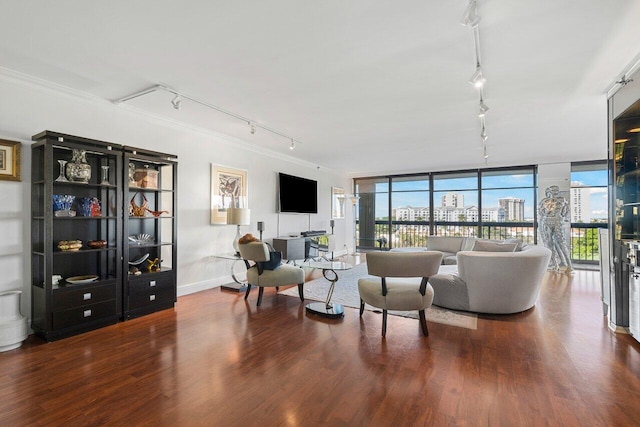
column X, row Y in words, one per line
column 554, row 213
column 154, row 265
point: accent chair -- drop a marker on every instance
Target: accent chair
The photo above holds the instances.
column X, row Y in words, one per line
column 262, row 275
column 402, row 283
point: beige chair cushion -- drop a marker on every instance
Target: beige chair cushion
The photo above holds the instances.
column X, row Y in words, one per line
column 402, row 293
column 283, row 275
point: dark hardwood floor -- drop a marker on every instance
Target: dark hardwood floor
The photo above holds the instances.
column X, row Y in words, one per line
column 216, row 360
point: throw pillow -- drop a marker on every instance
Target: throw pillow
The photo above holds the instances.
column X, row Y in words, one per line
column 274, row 262
column 487, row 246
column 519, row 243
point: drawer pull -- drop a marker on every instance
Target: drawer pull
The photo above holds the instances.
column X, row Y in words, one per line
column 87, row 313
column 152, row 283
column 152, row 297
column 86, row 296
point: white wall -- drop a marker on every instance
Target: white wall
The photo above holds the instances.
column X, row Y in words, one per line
column 28, row 107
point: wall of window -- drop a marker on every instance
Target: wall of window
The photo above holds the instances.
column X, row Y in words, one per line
column 588, row 198
column 490, row 203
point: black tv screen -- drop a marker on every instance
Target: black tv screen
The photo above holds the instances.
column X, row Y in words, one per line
column 297, row 195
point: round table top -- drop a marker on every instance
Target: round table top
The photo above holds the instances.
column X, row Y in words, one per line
column 327, row 265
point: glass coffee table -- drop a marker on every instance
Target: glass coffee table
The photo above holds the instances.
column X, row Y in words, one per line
column 329, row 269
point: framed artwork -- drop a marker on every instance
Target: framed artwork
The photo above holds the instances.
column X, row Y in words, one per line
column 10, row 160
column 337, row 203
column 228, row 190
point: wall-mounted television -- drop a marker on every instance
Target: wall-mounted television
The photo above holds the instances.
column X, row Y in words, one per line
column 297, row 195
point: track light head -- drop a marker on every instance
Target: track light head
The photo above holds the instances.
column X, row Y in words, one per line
column 483, row 109
column 470, row 18
column 252, row 128
column 477, row 79
column 293, row 145
column 483, row 134
column 176, row 101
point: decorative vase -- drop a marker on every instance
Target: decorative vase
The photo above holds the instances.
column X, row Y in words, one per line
column 13, row 326
column 62, row 178
column 105, row 175
column 78, row 170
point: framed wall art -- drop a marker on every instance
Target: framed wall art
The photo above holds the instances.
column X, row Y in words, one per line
column 228, row 190
column 9, row 160
column 337, row 203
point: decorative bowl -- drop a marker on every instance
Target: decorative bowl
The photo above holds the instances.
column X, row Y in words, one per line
column 141, row 239
column 97, row 244
column 69, row 245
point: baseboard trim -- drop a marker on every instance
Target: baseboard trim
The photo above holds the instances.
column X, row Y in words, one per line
column 192, row 288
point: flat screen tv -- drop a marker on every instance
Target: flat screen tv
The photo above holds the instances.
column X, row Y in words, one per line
column 297, row 195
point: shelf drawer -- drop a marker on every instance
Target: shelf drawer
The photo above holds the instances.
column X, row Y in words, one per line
column 154, row 283
column 85, row 314
column 153, row 298
column 65, row 299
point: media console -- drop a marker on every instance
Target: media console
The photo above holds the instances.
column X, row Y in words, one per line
column 308, row 246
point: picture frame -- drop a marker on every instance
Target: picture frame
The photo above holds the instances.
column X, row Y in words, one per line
column 229, row 188
column 10, row 160
column 338, row 200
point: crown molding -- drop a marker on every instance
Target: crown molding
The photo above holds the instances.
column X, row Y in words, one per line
column 38, row 84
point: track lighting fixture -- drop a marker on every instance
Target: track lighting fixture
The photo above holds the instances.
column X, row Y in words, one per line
column 483, row 134
column 177, row 100
column 477, row 79
column 483, row 108
column 485, row 154
column 471, row 17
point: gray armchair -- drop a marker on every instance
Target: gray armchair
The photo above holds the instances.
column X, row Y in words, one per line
column 402, row 283
column 257, row 275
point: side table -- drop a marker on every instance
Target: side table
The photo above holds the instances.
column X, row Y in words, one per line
column 329, row 268
column 238, row 272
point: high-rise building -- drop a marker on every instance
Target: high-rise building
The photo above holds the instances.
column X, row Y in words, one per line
column 580, row 204
column 513, row 208
column 453, row 200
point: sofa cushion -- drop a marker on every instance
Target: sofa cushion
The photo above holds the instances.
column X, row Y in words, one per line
column 450, row 291
column 519, row 243
column 489, row 246
column 450, row 260
column 444, row 244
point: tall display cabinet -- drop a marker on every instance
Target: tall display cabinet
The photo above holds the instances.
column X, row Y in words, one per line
column 81, row 224
column 75, row 287
column 624, row 227
column 150, row 227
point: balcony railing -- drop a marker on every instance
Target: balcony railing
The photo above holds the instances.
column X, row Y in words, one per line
column 584, row 237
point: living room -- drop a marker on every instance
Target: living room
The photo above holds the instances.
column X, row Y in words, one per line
column 63, row 66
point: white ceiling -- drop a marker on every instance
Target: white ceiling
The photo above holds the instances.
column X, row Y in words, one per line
column 368, row 87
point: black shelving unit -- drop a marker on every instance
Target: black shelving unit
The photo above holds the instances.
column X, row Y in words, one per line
column 150, row 234
column 63, row 307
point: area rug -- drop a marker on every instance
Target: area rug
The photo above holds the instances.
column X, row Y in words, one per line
column 346, row 293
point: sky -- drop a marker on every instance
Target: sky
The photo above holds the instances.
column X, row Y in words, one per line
column 416, row 194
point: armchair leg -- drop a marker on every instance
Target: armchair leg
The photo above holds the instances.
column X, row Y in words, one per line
column 260, row 292
column 423, row 323
column 361, row 307
column 301, row 291
column 384, row 323
column 246, row 295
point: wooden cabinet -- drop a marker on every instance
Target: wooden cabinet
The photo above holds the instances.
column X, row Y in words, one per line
column 75, row 212
column 150, row 227
column 84, row 233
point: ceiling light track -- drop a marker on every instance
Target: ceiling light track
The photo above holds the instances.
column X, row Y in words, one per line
column 471, row 18
column 177, row 103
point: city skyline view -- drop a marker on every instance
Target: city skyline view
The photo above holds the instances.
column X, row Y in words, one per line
column 412, row 192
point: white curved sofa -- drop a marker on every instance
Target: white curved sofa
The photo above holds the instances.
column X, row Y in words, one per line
column 492, row 282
